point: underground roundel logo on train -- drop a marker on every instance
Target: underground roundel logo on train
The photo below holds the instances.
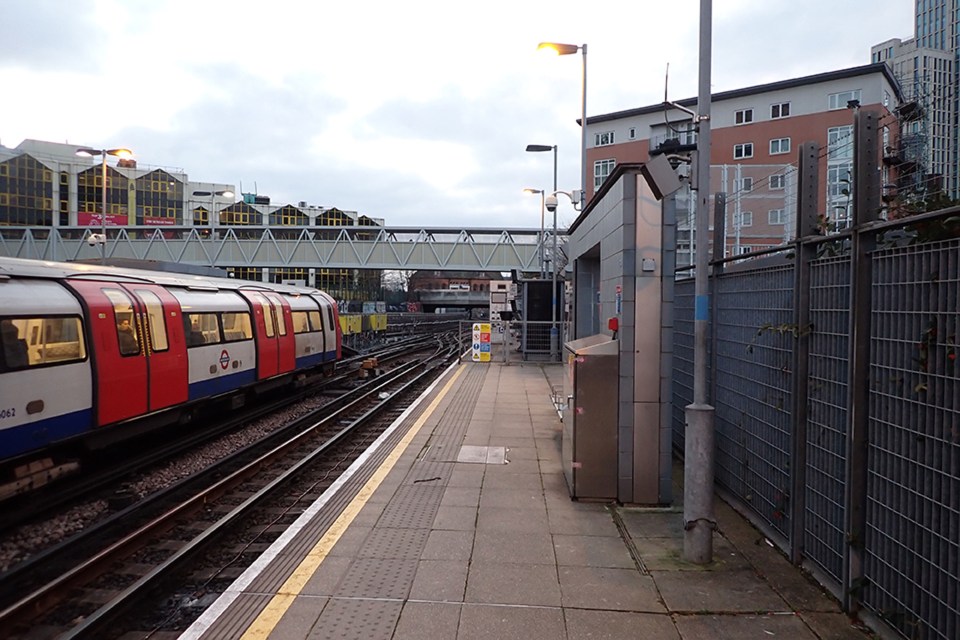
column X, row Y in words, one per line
column 224, row 359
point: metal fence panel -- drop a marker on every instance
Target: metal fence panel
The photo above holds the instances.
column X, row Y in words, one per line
column 754, row 343
column 827, row 414
column 912, row 564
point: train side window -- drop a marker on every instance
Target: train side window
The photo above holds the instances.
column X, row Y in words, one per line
column 316, row 321
column 330, row 315
column 157, row 327
column 281, row 323
column 301, row 324
column 236, row 326
column 267, row 317
column 126, row 323
column 202, row 328
column 47, row 341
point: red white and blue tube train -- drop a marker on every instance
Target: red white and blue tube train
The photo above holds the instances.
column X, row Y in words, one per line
column 91, row 354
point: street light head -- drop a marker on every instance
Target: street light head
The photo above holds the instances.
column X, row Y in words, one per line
column 225, row 194
column 557, row 48
column 120, row 153
column 540, row 147
column 532, row 191
column 87, row 153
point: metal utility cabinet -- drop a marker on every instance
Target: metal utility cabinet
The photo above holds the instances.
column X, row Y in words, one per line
column 589, row 445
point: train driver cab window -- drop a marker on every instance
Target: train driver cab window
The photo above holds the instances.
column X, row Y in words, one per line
column 236, row 326
column 126, row 322
column 157, row 327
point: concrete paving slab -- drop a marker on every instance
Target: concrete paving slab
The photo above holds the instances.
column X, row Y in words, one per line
column 609, row 589
column 582, row 522
column 743, row 627
column 428, row 621
column 440, row 581
column 448, row 545
column 301, row 617
column 325, row 579
column 513, row 583
column 504, row 480
column 716, row 591
column 592, row 551
column 483, row 622
column 511, row 498
column 532, row 520
column 455, row 518
column 461, row 497
column 618, row 625
column 666, row 554
column 514, row 546
column 835, row 626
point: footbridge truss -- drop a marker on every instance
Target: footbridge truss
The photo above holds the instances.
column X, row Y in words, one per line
column 402, row 248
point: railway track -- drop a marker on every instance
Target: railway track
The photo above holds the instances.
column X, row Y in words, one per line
column 235, row 508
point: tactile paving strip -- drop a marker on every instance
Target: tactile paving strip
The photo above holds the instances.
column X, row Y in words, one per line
column 378, row 578
column 394, row 543
column 357, row 620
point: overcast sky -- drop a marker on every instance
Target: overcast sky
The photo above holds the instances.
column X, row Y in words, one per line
column 417, row 112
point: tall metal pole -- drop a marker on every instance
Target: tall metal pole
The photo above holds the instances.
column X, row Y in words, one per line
column 583, row 133
column 554, row 169
column 698, row 462
column 103, row 206
column 543, row 264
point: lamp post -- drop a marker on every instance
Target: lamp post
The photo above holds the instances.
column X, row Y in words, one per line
column 226, row 193
column 534, row 148
column 543, row 270
column 564, row 50
column 103, row 153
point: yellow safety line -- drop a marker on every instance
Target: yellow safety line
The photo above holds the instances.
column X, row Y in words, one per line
column 278, row 605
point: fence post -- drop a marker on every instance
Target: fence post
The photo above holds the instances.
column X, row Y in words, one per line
column 808, row 191
column 716, row 274
column 866, row 209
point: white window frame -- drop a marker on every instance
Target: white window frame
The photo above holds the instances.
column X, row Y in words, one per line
column 603, row 139
column 778, row 181
column 839, row 100
column 632, row 133
column 779, row 110
column 779, row 146
column 743, row 116
column 742, row 150
column 602, row 170
column 746, row 184
column 744, row 218
column 777, row 216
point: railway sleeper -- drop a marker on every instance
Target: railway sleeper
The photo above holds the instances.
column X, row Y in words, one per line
column 35, row 474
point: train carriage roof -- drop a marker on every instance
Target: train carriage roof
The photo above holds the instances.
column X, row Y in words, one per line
column 45, row 269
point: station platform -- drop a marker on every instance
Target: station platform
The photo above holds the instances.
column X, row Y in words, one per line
column 458, row 524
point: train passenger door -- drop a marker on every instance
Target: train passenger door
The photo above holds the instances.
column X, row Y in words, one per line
column 265, row 333
column 286, row 342
column 136, row 357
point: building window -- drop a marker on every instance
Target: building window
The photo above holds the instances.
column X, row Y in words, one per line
column 779, row 145
column 840, row 143
column 779, row 110
column 743, row 116
column 840, row 100
column 602, row 169
column 743, row 219
column 778, row 181
column 777, row 216
column 633, row 133
column 746, row 184
column 603, row 139
column 743, row 150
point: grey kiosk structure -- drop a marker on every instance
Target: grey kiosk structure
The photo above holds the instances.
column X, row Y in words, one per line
column 616, row 425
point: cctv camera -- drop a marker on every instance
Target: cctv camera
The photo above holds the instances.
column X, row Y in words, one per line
column 550, row 203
